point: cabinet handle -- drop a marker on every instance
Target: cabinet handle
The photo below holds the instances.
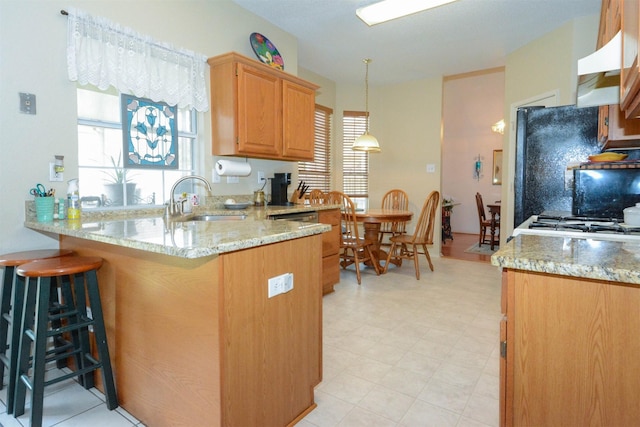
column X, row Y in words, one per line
column 503, row 349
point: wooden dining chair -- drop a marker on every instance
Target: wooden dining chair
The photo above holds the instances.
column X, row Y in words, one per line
column 406, row 246
column 485, row 224
column 393, row 199
column 353, row 248
column 333, row 198
column 316, row 197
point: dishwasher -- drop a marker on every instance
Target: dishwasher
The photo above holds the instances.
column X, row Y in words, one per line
column 297, row 216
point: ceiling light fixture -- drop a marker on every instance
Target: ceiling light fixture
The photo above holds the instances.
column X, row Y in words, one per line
column 387, row 10
column 366, row 141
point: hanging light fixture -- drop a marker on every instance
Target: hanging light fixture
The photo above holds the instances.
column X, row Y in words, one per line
column 366, row 141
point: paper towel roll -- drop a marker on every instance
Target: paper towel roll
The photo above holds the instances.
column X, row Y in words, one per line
column 229, row 167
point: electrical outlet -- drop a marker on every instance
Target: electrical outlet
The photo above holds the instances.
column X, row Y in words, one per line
column 233, row 180
column 431, row 168
column 288, row 282
column 279, row 284
column 261, row 178
column 53, row 175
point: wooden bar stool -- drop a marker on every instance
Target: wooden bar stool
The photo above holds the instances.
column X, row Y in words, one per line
column 78, row 283
column 11, row 298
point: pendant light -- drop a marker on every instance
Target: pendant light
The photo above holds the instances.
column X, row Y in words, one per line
column 366, row 141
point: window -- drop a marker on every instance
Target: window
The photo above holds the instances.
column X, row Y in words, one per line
column 355, row 164
column 104, row 182
column 317, row 174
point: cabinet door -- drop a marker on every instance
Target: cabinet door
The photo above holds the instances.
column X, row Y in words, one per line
column 259, row 109
column 615, row 130
column 629, row 71
column 298, row 112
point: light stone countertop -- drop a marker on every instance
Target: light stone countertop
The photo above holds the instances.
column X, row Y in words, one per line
column 146, row 229
column 587, row 258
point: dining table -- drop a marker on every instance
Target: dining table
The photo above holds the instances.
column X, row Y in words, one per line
column 371, row 220
column 494, row 211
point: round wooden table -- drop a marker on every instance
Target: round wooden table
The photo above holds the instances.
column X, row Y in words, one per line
column 371, row 221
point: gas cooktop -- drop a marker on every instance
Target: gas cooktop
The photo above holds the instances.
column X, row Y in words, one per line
column 563, row 224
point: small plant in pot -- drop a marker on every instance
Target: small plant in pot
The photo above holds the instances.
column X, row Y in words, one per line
column 118, row 184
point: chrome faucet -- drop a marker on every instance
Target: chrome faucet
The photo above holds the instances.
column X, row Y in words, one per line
column 177, row 208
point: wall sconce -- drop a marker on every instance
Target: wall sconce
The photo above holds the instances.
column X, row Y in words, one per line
column 498, row 127
column 477, row 172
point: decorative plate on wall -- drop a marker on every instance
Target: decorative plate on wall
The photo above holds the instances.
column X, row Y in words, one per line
column 266, row 51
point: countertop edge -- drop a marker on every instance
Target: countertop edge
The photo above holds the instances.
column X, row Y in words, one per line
column 573, row 257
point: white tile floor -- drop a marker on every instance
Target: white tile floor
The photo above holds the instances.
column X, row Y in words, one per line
column 397, row 352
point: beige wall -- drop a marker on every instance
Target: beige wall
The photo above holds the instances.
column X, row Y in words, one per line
column 471, row 104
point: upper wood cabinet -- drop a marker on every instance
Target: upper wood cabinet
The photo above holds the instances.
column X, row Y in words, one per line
column 258, row 111
column 629, row 69
column 615, row 130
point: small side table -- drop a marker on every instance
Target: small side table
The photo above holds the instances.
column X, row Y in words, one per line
column 447, row 210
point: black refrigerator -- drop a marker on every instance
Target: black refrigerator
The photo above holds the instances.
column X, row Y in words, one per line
column 548, row 140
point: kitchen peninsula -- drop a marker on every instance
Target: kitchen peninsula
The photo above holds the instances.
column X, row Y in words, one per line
column 194, row 337
column 569, row 335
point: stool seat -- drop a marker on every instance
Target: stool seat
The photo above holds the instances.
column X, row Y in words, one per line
column 16, row 258
column 63, row 266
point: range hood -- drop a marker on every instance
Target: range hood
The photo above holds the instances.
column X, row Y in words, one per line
column 599, row 75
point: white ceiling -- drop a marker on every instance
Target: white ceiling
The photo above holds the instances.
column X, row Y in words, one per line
column 463, row 36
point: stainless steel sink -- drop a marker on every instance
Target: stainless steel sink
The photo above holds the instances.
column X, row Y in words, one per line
column 212, row 218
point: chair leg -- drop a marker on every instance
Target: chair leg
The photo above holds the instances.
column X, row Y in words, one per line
column 357, row 265
column 416, row 264
column 391, row 251
column 373, row 260
column 426, row 254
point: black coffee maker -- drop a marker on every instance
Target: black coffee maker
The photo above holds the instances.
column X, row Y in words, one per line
column 279, row 184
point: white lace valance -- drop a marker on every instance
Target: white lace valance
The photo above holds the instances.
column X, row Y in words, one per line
column 105, row 54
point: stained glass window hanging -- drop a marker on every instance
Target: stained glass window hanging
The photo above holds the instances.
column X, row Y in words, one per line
column 150, row 133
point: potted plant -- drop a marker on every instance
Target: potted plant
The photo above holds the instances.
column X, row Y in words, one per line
column 118, row 185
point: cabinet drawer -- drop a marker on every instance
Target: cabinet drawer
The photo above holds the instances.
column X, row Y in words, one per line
column 331, row 241
column 330, row 273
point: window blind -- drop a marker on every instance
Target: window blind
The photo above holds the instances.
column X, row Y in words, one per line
column 317, row 174
column 355, row 164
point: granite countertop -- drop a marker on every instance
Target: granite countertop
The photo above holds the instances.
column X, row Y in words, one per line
column 147, row 230
column 575, row 257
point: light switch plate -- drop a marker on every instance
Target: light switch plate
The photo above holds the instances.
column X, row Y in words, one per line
column 27, row 103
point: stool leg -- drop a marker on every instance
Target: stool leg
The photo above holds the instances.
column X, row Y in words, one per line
column 18, row 307
column 101, row 340
column 24, row 351
column 88, row 379
column 5, row 308
column 70, row 306
column 55, row 307
column 40, row 350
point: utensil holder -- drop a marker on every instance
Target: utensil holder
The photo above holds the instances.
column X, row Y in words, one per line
column 44, row 208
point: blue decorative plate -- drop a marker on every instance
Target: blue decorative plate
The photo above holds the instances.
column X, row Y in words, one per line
column 266, row 51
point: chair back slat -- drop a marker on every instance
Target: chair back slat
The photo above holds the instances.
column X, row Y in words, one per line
column 425, row 226
column 316, row 197
column 349, row 220
column 480, row 206
column 395, row 199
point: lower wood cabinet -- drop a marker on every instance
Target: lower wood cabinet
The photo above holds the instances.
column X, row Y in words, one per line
column 330, row 249
column 570, row 351
column 198, row 342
